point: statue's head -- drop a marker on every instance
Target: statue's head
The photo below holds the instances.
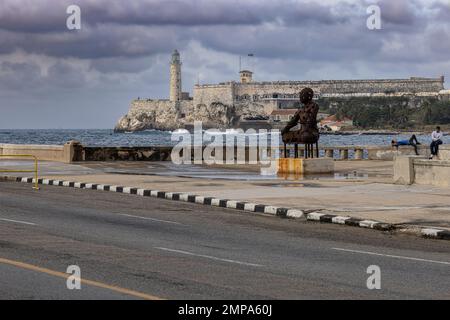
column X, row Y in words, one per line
column 306, row 95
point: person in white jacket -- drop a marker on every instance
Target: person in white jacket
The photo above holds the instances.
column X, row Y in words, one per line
column 436, row 140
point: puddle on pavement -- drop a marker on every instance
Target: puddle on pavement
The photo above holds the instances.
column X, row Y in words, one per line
column 209, row 173
column 288, row 185
column 217, row 174
column 352, row 175
column 165, row 181
column 335, row 176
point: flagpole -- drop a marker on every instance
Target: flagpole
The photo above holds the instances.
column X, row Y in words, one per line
column 252, row 64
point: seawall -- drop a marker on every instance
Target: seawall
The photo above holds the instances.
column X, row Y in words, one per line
column 73, row 151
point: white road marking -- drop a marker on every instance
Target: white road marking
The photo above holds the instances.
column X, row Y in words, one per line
column 18, row 221
column 391, row 256
column 151, row 219
column 210, row 257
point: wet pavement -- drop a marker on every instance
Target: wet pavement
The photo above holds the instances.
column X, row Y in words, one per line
column 44, row 167
column 358, row 171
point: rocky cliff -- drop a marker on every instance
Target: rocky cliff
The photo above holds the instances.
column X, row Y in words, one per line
column 150, row 114
column 167, row 115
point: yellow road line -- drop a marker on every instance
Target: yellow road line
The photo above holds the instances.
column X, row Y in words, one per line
column 84, row 281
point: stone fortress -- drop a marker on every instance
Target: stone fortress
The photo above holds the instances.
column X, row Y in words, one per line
column 232, row 104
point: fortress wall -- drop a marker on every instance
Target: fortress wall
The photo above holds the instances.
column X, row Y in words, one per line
column 444, row 95
column 418, row 86
column 208, row 94
column 185, row 106
column 227, row 93
column 255, row 107
column 149, row 105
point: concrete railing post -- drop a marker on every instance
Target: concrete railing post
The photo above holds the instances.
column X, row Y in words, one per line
column 359, row 154
column 344, row 154
column 404, row 170
column 301, row 152
column 73, row 151
column 329, row 153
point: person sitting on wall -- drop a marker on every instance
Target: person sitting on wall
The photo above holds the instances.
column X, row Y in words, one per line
column 411, row 142
column 436, row 140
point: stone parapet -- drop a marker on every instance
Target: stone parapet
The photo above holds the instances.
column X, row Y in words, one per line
column 126, row 153
column 419, row 170
column 70, row 152
column 432, row 172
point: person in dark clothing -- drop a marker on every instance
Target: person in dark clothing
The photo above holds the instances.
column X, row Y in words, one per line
column 411, row 142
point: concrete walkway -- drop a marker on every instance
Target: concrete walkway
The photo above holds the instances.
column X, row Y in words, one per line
column 360, row 189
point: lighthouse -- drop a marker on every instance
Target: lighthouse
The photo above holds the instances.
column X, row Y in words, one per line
column 175, row 77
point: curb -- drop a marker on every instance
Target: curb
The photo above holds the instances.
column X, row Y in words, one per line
column 435, row 233
column 238, row 205
column 176, row 196
column 349, row 221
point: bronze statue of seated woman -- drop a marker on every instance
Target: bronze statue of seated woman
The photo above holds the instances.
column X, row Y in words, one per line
column 308, row 134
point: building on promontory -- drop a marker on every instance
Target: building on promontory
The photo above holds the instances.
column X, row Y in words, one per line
column 230, row 104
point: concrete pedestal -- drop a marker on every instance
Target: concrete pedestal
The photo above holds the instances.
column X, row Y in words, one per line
column 305, row 166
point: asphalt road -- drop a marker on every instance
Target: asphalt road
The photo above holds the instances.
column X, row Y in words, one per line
column 129, row 247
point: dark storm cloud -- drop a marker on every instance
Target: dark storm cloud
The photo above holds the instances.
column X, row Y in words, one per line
column 99, row 42
column 272, row 29
column 120, row 28
column 325, row 43
column 50, row 16
column 33, row 16
column 145, row 28
column 400, row 12
column 443, row 10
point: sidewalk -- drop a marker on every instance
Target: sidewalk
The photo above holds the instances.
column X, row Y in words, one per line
column 360, row 189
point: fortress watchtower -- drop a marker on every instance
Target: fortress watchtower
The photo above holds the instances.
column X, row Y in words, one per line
column 175, row 77
column 246, row 76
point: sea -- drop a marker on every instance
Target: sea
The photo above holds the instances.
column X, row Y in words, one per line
column 109, row 138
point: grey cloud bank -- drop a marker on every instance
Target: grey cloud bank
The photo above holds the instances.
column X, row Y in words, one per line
column 51, row 77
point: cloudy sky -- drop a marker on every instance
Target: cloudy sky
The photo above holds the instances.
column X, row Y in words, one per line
column 52, row 77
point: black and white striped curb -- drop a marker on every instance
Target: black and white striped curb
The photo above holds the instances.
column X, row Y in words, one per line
column 349, row 221
column 329, row 218
column 435, row 233
column 239, row 205
column 177, row 196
